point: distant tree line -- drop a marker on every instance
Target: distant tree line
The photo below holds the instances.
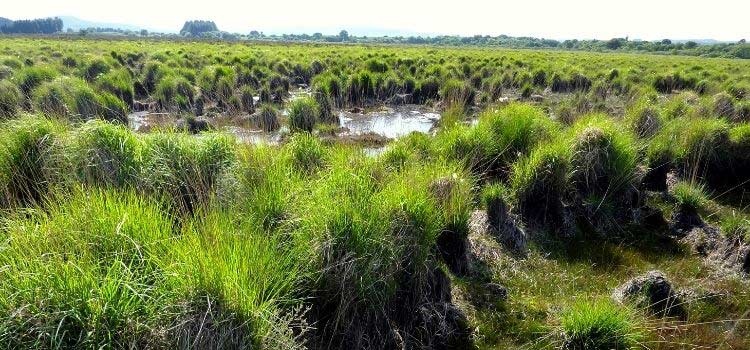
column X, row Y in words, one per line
column 732, row 50
column 31, row 26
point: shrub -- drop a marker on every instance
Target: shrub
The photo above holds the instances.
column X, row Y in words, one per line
column 600, row 325
column 10, row 97
column 303, row 114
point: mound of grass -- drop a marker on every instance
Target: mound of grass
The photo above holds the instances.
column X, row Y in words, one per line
column 457, row 93
column 10, row 98
column 30, row 161
column 105, row 154
column 306, row 152
column 540, row 180
column 600, row 325
column 603, row 159
column 303, row 114
column 29, row 78
column 689, row 196
column 499, row 139
column 174, row 93
column 119, row 83
column 185, row 169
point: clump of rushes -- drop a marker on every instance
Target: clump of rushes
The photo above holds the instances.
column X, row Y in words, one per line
column 249, row 277
column 267, row 117
column 247, row 99
column 723, row 105
column 30, row 162
column 106, row 154
column 689, row 196
column 603, row 159
column 10, row 97
column 29, row 78
column 499, row 138
column 736, row 225
column 697, row 148
column 175, row 93
column 457, row 93
column 185, row 169
column 645, row 120
column 50, row 99
column 91, row 255
column 303, row 114
column 112, row 108
column 84, row 103
column 601, row 325
column 539, row 182
column 119, row 83
column 306, row 153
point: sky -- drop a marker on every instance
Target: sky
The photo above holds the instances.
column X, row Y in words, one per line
column 555, row 19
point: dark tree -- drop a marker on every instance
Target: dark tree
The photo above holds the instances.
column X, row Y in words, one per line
column 196, row 28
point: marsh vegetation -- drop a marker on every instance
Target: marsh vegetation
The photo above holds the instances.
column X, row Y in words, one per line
column 542, row 200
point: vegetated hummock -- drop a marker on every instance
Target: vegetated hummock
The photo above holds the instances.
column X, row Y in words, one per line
column 563, row 200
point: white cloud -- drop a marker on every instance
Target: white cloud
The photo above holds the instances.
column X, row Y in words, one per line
column 646, row 19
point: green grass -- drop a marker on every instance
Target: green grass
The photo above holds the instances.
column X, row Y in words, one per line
column 600, row 325
column 163, row 240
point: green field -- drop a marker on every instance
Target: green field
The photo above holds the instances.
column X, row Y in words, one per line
column 550, row 179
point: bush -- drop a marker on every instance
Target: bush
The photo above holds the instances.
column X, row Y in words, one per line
column 600, row 325
column 10, row 97
column 303, row 114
